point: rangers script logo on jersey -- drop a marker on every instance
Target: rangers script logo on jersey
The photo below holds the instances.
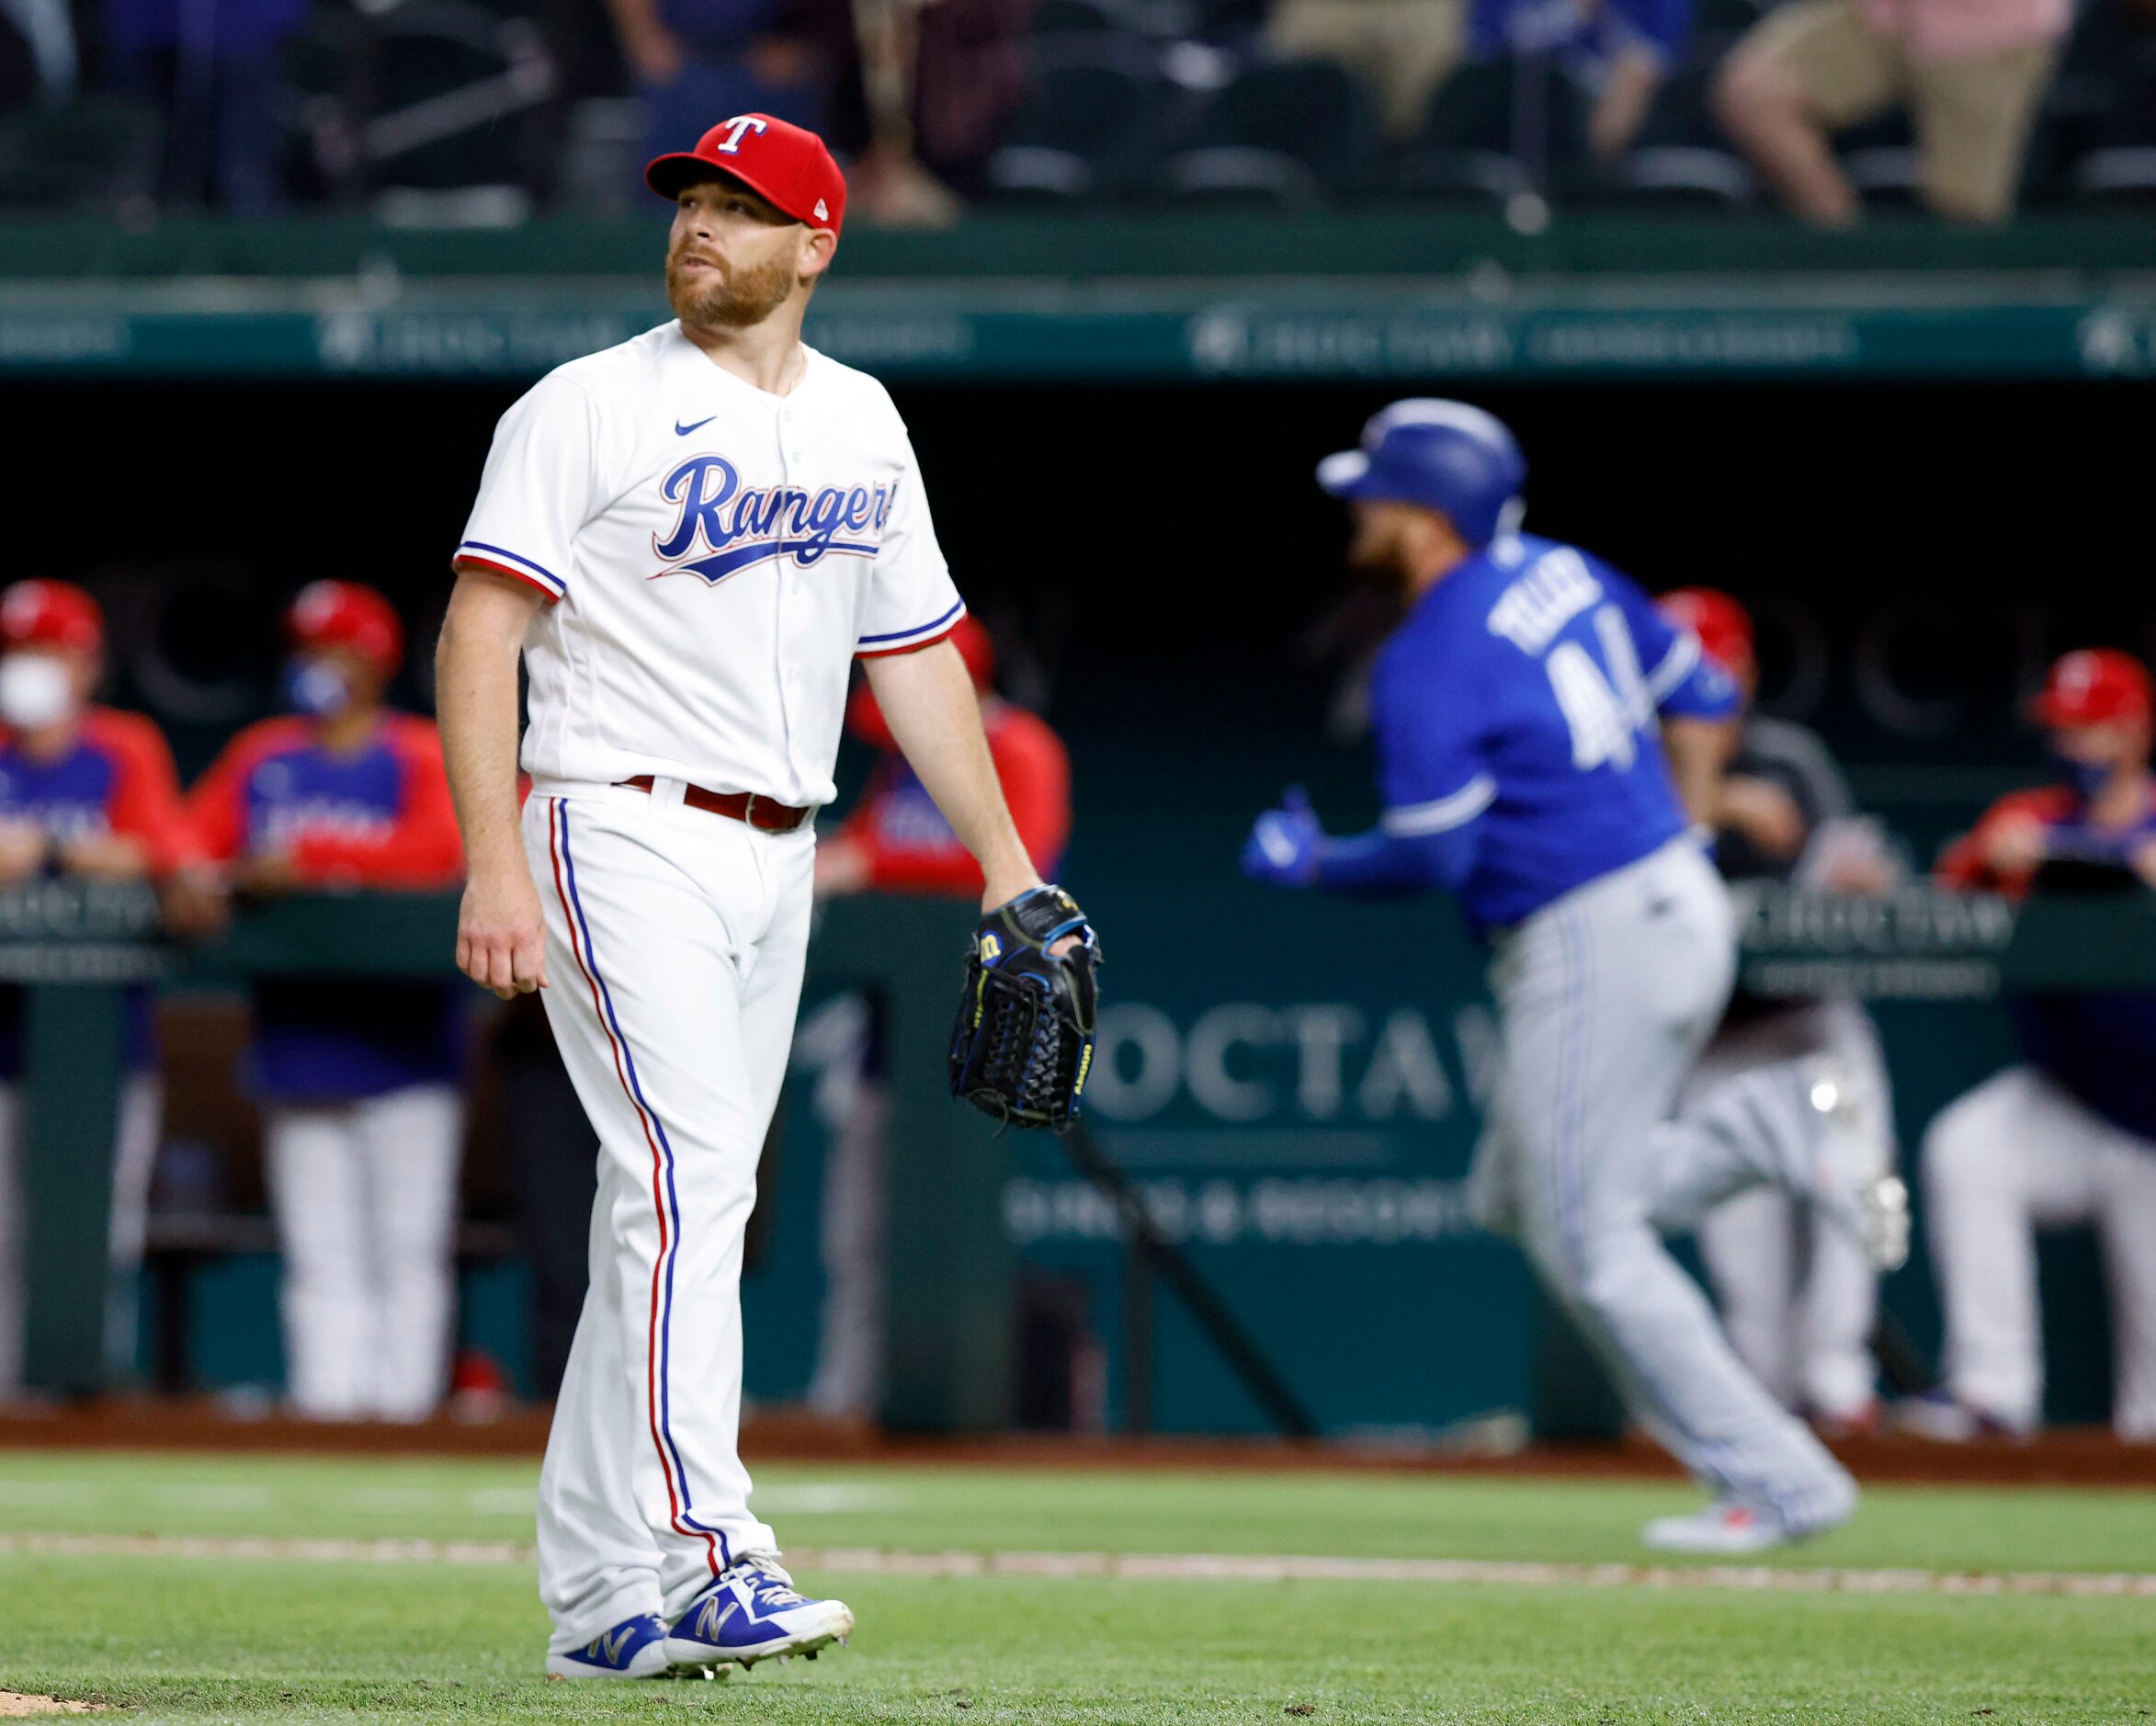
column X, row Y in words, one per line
column 740, row 527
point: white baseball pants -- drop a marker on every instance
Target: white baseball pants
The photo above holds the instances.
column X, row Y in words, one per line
column 365, row 1193
column 2015, row 1155
column 1798, row 1297
column 675, row 941
column 135, row 1159
column 1605, row 1000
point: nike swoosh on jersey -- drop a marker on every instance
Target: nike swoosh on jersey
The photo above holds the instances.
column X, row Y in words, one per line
column 682, row 431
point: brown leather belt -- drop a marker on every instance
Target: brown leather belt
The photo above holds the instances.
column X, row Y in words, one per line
column 761, row 812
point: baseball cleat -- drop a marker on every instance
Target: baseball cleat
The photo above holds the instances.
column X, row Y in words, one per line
column 635, row 1648
column 753, row 1612
column 1853, row 1172
column 1728, row 1527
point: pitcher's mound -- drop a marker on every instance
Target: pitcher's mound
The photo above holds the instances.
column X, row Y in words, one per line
column 14, row 1704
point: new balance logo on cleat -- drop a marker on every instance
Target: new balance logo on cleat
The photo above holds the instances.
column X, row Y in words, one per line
column 753, row 1612
column 635, row 1648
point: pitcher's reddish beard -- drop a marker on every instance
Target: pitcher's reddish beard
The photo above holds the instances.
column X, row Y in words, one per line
column 726, row 296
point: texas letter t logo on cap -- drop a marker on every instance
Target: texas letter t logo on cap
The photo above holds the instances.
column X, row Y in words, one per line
column 736, row 129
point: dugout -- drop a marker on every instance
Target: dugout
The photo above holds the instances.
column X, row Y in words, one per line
column 1924, row 489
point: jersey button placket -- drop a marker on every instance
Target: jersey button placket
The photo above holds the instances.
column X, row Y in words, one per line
column 785, row 575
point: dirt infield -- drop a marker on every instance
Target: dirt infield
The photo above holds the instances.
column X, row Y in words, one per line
column 2080, row 1455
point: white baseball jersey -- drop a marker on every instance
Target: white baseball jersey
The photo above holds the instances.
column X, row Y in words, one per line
column 716, row 556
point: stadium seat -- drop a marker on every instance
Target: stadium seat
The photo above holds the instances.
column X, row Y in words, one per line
column 1285, row 132
column 1495, row 128
column 1880, row 161
column 2126, row 175
column 1235, row 176
column 1678, row 178
column 1093, row 112
column 1681, row 160
column 431, row 94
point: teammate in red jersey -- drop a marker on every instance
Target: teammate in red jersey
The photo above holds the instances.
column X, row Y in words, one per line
column 896, row 841
column 360, row 1081
column 2069, row 1135
column 86, row 791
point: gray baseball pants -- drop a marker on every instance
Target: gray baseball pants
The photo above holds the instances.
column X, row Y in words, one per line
column 1605, row 999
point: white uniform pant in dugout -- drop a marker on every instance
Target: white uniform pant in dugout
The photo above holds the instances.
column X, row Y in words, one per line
column 134, row 1158
column 675, row 941
column 2015, row 1155
column 1605, row 999
column 366, row 1198
column 1798, row 1295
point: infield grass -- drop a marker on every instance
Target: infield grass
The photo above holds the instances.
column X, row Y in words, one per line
column 173, row 1637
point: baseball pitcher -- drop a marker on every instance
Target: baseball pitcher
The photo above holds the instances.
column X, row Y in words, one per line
column 1518, row 712
column 689, row 538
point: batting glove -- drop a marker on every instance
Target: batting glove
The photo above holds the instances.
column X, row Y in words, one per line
column 1282, row 849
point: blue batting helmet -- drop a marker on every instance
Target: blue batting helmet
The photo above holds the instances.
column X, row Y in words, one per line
column 1444, row 456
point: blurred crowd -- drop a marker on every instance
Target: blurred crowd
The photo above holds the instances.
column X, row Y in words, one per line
column 482, row 112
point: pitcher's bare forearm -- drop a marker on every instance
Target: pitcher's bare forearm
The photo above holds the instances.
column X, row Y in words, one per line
column 929, row 701
column 501, row 933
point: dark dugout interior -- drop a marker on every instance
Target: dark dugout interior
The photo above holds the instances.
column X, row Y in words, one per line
column 1158, row 557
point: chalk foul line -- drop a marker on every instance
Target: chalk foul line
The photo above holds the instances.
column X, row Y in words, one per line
column 1144, row 1566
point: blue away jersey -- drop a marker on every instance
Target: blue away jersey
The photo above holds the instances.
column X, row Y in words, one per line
column 1522, row 693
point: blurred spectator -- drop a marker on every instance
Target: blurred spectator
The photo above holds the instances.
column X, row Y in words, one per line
column 940, row 79
column 1620, row 49
column 1401, row 48
column 1797, row 1299
column 698, row 61
column 2069, row 1135
column 213, row 68
column 359, row 1080
column 897, row 840
column 1970, row 72
column 89, row 793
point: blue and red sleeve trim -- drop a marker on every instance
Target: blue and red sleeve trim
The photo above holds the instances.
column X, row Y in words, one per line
column 910, row 641
column 515, row 564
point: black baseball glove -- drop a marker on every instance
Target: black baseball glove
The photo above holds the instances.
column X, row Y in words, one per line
column 1023, row 1043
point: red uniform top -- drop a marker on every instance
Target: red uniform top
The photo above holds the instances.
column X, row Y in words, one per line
column 2099, row 1047
column 379, row 816
column 911, row 847
column 118, row 777
column 1966, row 863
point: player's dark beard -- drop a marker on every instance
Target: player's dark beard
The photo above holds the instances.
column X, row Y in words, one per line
column 1380, row 566
column 730, row 298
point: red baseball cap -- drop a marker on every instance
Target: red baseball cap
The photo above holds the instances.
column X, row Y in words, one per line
column 50, row 614
column 1723, row 627
column 344, row 614
column 2095, row 686
column 786, row 163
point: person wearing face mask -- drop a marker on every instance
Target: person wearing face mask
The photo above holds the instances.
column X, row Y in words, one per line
column 895, row 840
column 359, row 1080
column 90, row 792
column 2069, row 1135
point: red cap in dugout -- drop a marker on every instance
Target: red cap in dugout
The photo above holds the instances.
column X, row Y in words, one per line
column 2095, row 686
column 1723, row 627
column 786, row 163
column 50, row 614
column 344, row 613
